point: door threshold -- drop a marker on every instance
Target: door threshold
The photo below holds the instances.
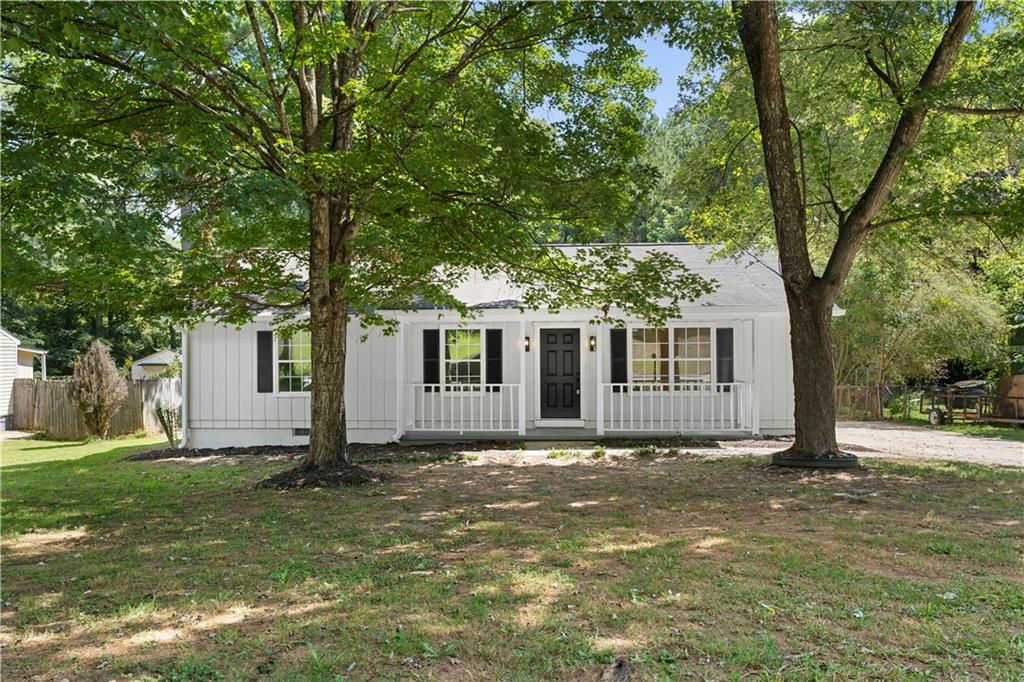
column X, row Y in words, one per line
column 559, row 423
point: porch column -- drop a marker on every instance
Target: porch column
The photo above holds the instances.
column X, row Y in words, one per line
column 521, row 345
column 755, row 402
column 599, row 373
column 400, row 382
column 43, row 356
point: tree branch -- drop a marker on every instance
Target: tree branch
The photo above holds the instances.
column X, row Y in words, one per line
column 276, row 95
column 884, row 77
column 1009, row 112
column 902, row 142
column 757, row 24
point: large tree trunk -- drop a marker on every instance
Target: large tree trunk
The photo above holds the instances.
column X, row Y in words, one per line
column 328, row 308
column 808, row 297
column 810, row 331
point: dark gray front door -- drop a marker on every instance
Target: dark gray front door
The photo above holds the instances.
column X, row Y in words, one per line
column 560, row 373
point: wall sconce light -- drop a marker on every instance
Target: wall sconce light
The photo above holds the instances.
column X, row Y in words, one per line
column 526, row 344
column 593, row 343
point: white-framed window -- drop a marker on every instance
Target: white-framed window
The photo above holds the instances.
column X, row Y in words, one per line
column 294, row 362
column 671, row 356
column 463, row 358
column 691, row 353
column 650, row 355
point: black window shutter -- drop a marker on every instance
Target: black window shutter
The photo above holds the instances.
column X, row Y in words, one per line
column 724, row 356
column 264, row 362
column 431, row 356
column 492, row 371
column 618, row 346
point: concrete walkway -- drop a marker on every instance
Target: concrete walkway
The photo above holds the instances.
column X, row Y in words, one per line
column 11, row 435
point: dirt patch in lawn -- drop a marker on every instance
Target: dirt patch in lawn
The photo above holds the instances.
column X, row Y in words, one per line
column 335, row 477
column 783, row 442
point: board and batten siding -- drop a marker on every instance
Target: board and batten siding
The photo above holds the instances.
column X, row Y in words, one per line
column 225, row 408
column 8, row 372
column 773, row 362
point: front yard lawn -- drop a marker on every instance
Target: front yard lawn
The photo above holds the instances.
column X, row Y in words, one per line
column 531, row 569
column 36, row 450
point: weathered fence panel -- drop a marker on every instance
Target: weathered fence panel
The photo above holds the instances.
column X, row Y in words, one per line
column 49, row 406
column 858, row 402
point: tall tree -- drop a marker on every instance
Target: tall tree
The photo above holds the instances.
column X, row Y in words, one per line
column 810, row 296
column 893, row 127
column 904, row 321
column 374, row 151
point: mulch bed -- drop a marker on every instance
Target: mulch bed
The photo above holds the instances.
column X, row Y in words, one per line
column 190, row 453
column 361, row 452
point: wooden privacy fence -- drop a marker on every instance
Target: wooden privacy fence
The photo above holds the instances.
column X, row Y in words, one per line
column 48, row 406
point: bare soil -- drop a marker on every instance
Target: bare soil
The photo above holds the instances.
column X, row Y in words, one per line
column 336, row 477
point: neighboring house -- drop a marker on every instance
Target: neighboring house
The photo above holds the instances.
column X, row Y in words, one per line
column 721, row 367
column 16, row 362
column 152, row 365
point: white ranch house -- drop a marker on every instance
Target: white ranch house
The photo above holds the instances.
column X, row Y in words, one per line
column 721, row 368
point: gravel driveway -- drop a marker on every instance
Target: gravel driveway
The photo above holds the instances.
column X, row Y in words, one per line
column 886, row 439
column 924, row 443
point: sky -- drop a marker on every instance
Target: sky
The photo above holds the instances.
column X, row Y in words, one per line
column 670, row 62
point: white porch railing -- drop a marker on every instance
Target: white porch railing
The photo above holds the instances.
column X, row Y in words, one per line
column 684, row 407
column 462, row 408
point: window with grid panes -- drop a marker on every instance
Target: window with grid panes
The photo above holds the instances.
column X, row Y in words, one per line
column 294, row 363
column 650, row 355
column 691, row 350
column 463, row 353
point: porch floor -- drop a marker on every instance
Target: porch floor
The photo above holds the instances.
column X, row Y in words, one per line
column 556, row 435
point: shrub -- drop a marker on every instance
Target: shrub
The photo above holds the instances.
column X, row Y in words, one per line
column 170, row 420
column 645, row 451
column 598, row 452
column 98, row 388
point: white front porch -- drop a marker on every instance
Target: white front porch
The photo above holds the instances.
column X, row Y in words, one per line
column 447, row 405
column 685, row 409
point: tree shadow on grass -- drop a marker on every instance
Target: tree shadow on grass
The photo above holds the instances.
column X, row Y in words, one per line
column 470, row 571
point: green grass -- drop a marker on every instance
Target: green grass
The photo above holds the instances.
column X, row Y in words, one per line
column 37, row 450
column 1006, row 432
column 710, row 568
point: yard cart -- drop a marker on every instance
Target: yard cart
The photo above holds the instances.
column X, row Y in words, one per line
column 971, row 401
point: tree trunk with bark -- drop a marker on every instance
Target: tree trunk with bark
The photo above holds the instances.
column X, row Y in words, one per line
column 810, row 296
column 810, row 330
column 328, row 326
column 332, row 227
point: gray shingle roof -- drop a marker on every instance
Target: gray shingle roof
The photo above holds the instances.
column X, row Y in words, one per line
column 746, row 281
